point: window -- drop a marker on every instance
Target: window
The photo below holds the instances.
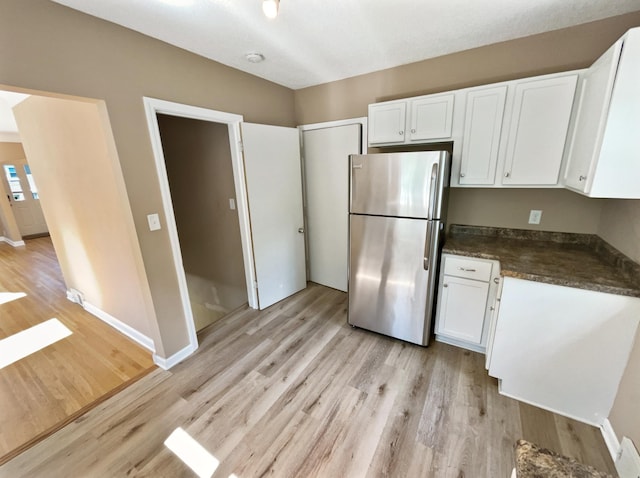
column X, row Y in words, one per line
column 14, row 182
column 32, row 184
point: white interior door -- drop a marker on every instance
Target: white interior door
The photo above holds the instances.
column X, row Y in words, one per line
column 24, row 199
column 326, row 171
column 274, row 190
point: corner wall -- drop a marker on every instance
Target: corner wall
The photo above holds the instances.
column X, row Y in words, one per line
column 82, row 196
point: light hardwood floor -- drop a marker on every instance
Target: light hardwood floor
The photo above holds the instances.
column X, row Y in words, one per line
column 293, row 391
column 42, row 392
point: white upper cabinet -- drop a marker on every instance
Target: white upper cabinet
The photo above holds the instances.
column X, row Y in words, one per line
column 602, row 157
column 387, row 122
column 512, row 134
column 430, row 118
column 481, row 135
column 538, row 130
column 423, row 119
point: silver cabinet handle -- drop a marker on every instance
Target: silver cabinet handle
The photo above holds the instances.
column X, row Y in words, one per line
column 496, row 280
column 445, row 285
column 492, row 308
column 582, row 178
column 301, row 230
column 413, row 130
column 507, row 174
column 464, row 269
column 400, row 133
column 462, row 175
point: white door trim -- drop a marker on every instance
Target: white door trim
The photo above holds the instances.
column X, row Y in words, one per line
column 154, row 106
column 331, row 124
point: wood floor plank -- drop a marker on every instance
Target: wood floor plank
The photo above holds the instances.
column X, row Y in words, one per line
column 293, row 391
column 44, row 391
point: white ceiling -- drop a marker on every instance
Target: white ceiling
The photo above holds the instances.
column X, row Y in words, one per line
column 317, row 41
column 8, row 127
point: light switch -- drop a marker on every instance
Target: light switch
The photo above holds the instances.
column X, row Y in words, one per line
column 154, row 222
column 232, row 204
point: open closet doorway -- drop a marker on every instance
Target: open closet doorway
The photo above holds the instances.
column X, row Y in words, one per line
column 199, row 168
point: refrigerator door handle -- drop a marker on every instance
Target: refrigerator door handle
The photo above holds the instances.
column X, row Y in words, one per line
column 433, row 197
column 427, row 245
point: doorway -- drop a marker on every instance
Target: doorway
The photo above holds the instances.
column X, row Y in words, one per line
column 271, row 153
column 24, row 199
column 198, row 161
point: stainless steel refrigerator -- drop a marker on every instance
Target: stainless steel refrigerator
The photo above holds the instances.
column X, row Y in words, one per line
column 396, row 222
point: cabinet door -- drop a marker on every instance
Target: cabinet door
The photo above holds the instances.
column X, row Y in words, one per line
column 538, row 131
column 462, row 309
column 387, row 122
column 431, row 118
column 481, row 137
column 595, row 94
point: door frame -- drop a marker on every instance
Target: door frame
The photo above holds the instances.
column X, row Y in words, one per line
column 154, row 106
column 362, row 121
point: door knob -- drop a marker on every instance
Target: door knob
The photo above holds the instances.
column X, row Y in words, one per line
column 301, row 230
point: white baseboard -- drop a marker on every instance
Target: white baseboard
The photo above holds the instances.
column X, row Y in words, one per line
column 628, row 463
column 610, row 439
column 10, row 242
column 624, row 455
column 462, row 344
column 167, row 363
column 501, row 391
column 121, row 327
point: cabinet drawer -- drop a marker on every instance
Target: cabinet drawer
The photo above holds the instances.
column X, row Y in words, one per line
column 468, row 268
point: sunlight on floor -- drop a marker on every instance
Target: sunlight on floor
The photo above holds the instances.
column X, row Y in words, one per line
column 31, row 340
column 194, row 455
column 9, row 296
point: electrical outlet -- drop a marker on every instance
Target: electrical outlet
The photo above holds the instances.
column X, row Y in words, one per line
column 535, row 216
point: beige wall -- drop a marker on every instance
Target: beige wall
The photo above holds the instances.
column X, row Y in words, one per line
column 56, row 49
column 198, row 160
column 82, row 197
column 620, row 226
column 9, row 153
column 561, row 50
column 562, row 210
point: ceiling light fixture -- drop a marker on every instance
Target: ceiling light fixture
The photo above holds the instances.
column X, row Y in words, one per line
column 270, row 8
column 254, row 57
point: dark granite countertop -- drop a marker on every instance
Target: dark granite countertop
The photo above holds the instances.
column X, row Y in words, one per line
column 535, row 462
column 582, row 261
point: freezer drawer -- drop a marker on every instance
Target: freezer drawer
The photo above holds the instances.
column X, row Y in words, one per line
column 390, row 292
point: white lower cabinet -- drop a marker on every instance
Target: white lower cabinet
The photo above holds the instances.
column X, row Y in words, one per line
column 562, row 349
column 466, row 298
